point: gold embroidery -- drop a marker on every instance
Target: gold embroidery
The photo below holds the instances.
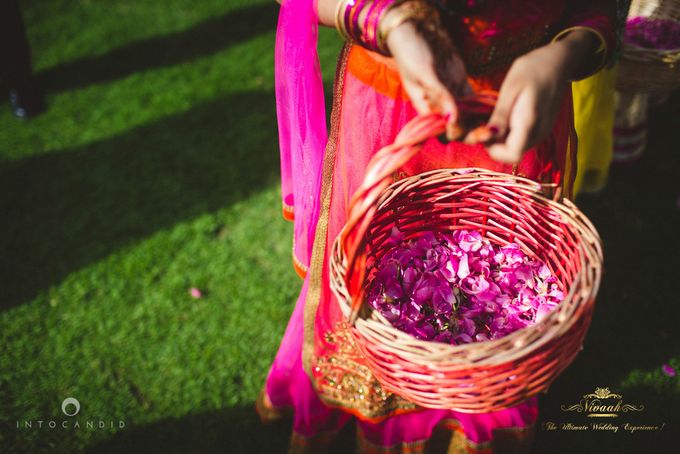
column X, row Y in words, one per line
column 300, row 268
column 319, row 443
column 288, row 212
column 364, row 446
column 267, row 411
column 343, row 379
column 448, row 436
column 319, row 247
column 348, row 383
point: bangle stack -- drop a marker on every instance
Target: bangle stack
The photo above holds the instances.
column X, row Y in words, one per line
column 361, row 21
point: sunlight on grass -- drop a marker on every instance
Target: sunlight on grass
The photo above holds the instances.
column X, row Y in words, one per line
column 155, row 170
column 126, row 338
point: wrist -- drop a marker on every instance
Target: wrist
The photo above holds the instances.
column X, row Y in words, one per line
column 399, row 22
column 395, row 17
column 398, row 34
column 582, row 50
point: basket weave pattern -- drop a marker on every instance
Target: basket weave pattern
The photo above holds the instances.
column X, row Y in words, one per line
column 479, row 377
column 649, row 70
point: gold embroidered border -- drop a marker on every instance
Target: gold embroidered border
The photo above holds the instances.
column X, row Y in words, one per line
column 288, row 212
column 448, row 436
column 318, row 250
column 300, row 268
column 366, row 447
column 316, row 444
column 373, row 403
column 343, row 380
column 448, row 433
column 267, row 411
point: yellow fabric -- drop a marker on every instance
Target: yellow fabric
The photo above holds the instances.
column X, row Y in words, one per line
column 594, row 122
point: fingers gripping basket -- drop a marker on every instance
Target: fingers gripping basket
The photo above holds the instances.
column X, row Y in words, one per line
column 478, row 377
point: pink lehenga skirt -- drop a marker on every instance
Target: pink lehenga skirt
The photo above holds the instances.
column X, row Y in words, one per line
column 318, row 376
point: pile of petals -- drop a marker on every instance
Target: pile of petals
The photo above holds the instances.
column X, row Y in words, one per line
column 653, row 33
column 459, row 288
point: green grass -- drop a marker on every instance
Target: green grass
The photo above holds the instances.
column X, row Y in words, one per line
column 156, row 170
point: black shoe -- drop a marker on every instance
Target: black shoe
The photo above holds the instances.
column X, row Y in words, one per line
column 27, row 101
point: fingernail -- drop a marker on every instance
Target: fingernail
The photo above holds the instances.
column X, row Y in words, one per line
column 494, row 129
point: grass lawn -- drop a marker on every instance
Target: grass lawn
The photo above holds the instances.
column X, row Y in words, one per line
column 156, row 170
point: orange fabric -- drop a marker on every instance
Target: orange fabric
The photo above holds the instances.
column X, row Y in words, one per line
column 300, row 269
column 288, row 213
column 382, row 75
column 377, row 71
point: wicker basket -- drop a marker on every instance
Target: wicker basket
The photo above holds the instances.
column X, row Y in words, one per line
column 479, row 377
column 649, row 70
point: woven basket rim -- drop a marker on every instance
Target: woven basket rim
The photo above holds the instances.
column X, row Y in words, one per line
column 477, row 377
column 555, row 324
column 651, row 49
column 637, row 53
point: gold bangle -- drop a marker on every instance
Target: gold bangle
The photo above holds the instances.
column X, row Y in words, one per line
column 601, row 50
column 405, row 11
column 340, row 19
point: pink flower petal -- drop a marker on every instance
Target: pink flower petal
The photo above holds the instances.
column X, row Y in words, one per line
column 195, row 293
column 470, row 241
column 668, row 370
column 542, row 312
column 459, row 287
column 396, row 236
column 463, row 268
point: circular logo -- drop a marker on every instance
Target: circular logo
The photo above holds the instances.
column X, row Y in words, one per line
column 70, row 401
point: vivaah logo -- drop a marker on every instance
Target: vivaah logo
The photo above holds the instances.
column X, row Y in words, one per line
column 602, row 404
column 70, row 407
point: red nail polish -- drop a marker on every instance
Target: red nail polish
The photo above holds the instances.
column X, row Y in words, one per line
column 494, row 130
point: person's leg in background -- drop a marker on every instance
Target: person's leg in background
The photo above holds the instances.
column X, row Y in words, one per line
column 16, row 70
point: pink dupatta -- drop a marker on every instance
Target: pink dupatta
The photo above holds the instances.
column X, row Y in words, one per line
column 302, row 121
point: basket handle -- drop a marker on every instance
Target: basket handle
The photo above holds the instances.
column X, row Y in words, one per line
column 378, row 176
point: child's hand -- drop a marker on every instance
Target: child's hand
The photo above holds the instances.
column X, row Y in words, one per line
column 428, row 91
column 532, row 94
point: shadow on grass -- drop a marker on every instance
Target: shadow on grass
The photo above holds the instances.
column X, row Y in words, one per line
column 238, row 430
column 199, row 41
column 73, row 207
column 232, row 430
